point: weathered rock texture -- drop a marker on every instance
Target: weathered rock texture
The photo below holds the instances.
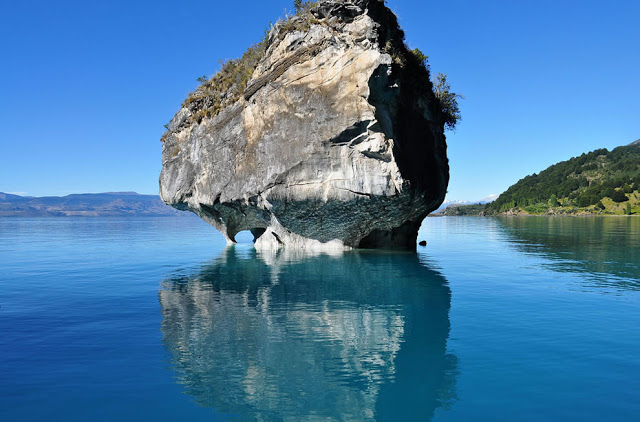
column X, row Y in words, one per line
column 337, row 141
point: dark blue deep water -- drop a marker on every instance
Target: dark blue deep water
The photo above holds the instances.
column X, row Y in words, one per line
column 514, row 319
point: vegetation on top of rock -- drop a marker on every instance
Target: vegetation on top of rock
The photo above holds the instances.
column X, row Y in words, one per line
column 448, row 100
column 228, row 85
column 422, row 58
column 442, row 90
column 302, row 7
column 225, row 87
column 600, row 181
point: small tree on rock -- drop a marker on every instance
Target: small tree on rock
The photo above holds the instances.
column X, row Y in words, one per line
column 448, row 100
column 422, row 58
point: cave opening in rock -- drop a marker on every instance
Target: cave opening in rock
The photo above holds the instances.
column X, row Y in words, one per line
column 249, row 236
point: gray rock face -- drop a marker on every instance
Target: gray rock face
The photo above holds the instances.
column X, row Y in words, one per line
column 337, row 141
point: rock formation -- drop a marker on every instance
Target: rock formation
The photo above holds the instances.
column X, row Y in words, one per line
column 336, row 141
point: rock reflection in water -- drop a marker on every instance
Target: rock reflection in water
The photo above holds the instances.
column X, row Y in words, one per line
column 360, row 336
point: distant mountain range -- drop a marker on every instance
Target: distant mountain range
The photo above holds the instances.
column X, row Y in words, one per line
column 85, row 205
column 457, row 210
column 458, row 203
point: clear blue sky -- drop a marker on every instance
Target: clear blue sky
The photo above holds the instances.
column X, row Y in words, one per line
column 85, row 87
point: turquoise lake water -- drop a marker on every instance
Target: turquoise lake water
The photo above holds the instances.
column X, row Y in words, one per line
column 497, row 319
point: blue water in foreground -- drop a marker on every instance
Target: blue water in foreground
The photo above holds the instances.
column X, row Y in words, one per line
column 513, row 319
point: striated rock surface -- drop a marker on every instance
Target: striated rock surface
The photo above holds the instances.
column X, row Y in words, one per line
column 337, row 140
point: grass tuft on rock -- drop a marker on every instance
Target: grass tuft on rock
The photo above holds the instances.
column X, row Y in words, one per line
column 227, row 86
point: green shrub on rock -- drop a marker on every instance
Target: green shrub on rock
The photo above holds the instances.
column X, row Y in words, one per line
column 448, row 100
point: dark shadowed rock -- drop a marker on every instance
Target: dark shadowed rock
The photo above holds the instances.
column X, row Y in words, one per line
column 337, row 142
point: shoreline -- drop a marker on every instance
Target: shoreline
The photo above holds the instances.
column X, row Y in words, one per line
column 536, row 215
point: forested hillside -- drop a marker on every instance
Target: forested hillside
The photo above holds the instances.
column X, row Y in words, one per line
column 600, row 181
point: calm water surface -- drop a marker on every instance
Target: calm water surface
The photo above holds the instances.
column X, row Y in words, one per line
column 524, row 319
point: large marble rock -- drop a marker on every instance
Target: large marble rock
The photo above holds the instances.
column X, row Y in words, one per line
column 337, row 142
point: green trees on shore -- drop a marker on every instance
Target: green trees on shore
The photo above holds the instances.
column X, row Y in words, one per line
column 584, row 182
